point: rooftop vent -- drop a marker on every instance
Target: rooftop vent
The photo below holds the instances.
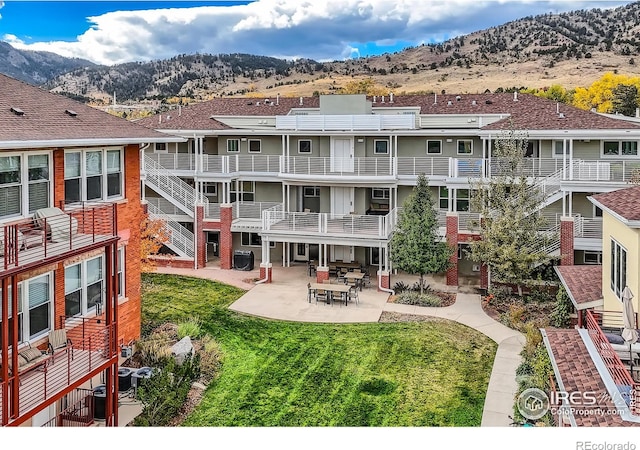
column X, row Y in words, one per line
column 473, row 102
column 71, row 112
column 458, row 98
column 375, row 97
column 17, row 111
column 249, row 103
column 515, row 96
column 391, row 97
column 301, row 102
column 489, row 102
column 449, row 103
column 561, row 116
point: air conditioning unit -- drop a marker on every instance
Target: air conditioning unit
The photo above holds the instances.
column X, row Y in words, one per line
column 476, row 268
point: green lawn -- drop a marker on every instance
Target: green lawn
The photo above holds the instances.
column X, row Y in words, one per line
column 299, row 374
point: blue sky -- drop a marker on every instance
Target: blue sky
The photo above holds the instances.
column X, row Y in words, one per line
column 123, row 31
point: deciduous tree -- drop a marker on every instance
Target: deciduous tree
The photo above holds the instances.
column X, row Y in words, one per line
column 153, row 235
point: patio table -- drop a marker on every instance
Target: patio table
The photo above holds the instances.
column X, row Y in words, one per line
column 358, row 276
column 342, row 289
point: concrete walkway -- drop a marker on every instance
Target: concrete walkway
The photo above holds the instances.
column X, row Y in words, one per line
column 285, row 299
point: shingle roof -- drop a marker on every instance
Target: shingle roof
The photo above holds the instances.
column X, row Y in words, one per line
column 583, row 283
column 579, row 374
column 528, row 112
column 51, row 117
column 624, row 202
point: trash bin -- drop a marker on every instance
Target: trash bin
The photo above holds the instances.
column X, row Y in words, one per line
column 124, row 378
column 99, row 399
column 243, row 260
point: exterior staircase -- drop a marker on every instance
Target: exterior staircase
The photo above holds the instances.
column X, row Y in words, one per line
column 181, row 196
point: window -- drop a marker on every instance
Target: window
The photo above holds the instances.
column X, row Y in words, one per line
column 25, row 182
column 39, row 311
column 530, row 151
column 311, row 191
column 462, row 199
column 592, row 257
column 254, row 240
column 210, row 188
column 443, row 195
column 618, row 268
column 304, row 146
column 434, row 147
column 559, row 149
column 380, row 193
column 233, row 145
column 465, row 147
column 255, row 146
column 92, row 175
column 380, row 147
column 597, row 212
column 620, row 148
column 11, row 318
column 161, row 147
column 247, row 193
column 83, row 286
column 121, row 286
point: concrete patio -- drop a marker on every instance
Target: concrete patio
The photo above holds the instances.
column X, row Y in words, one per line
column 286, row 299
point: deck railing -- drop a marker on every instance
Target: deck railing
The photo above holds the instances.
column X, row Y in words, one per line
column 174, row 161
column 31, row 241
column 77, row 411
column 93, row 345
column 628, row 389
column 328, row 166
column 251, row 210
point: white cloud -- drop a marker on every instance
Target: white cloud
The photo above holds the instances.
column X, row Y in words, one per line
column 1, row 5
column 322, row 30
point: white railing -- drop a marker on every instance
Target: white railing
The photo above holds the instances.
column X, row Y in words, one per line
column 468, row 221
column 215, row 163
column 174, row 161
column 164, row 206
column 605, row 170
column 429, row 165
column 212, row 211
column 328, row 224
column 172, row 187
column 531, row 167
column 545, row 187
column 346, row 122
column 251, row 210
column 468, row 168
column 253, row 163
column 548, row 240
column 373, row 166
column 587, row 227
column 180, row 239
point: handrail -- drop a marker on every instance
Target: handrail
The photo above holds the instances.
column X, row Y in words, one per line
column 180, row 239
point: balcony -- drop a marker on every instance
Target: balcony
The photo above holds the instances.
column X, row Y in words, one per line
column 328, row 225
column 628, row 388
column 344, row 122
column 247, row 216
column 313, row 167
column 37, row 241
column 92, row 349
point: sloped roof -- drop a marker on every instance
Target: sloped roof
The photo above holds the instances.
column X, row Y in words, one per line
column 29, row 114
column 623, row 202
column 579, row 374
column 523, row 112
column 583, row 284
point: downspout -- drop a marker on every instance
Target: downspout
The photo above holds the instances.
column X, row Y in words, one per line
column 142, row 171
column 384, row 289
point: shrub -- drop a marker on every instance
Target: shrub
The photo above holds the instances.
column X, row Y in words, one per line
column 414, row 298
column 154, row 350
column 210, row 359
column 400, row 286
column 561, row 314
column 425, row 287
column 190, row 327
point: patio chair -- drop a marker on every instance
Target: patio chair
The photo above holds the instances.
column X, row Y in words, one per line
column 311, row 267
column 58, row 343
column 352, row 296
column 322, row 295
column 333, row 271
column 310, row 292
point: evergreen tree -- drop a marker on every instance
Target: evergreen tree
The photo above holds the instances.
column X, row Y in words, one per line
column 416, row 247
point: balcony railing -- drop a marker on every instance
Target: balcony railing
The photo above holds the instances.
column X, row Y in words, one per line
column 174, row 161
column 328, row 224
column 78, row 410
column 628, row 389
column 327, row 166
column 31, row 241
column 587, row 227
column 254, row 163
column 252, row 210
column 429, row 165
column 93, row 345
column 372, row 122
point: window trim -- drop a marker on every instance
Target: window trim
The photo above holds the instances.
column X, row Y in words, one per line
column 237, row 141
column 439, row 141
column 208, row 184
column 311, row 191
column 248, row 234
column 460, row 141
column 565, row 149
column 310, row 147
column 24, row 183
column 235, row 193
column 598, row 257
column 249, row 141
column 157, row 147
column 104, row 175
column 618, row 277
column 375, row 147
column 84, row 287
column 24, row 309
column 619, row 154
column 375, row 193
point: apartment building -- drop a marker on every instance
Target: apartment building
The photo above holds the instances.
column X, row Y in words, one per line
column 69, row 253
column 321, row 178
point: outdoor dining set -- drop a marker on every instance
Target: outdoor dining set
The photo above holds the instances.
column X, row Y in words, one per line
column 345, row 282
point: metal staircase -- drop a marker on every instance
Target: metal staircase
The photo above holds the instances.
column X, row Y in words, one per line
column 181, row 240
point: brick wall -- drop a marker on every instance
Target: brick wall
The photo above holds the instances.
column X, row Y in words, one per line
column 266, row 271
column 452, row 240
column 58, row 177
column 226, row 239
column 201, row 249
column 322, row 273
column 566, row 241
column 385, row 279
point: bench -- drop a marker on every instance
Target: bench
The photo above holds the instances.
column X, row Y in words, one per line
column 378, row 209
column 30, row 358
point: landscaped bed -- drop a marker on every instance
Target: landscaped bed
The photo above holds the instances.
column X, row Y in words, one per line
column 274, row 373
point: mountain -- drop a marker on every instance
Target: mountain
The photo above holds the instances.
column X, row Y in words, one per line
column 36, row 67
column 571, row 49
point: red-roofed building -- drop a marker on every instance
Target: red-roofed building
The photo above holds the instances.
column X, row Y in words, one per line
column 321, row 178
column 69, row 254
